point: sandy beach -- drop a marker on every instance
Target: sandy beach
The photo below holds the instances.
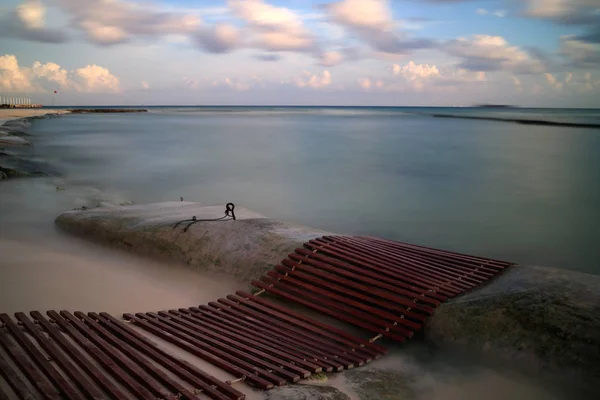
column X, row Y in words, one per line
column 8, row 114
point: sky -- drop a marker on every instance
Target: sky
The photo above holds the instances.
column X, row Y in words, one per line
column 538, row 53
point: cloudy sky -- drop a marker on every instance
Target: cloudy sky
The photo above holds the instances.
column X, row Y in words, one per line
column 347, row 52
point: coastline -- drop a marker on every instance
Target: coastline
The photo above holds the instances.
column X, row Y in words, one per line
column 16, row 158
column 219, row 244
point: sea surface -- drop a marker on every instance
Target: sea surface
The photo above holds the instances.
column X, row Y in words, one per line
column 524, row 193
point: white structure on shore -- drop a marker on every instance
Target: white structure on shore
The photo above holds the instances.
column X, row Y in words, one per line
column 15, row 101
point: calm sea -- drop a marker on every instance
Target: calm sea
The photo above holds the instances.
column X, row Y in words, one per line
column 524, row 193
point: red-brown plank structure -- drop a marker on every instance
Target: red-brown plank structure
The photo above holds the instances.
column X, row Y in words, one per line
column 384, row 287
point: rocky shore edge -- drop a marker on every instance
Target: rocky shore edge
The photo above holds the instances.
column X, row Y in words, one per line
column 17, row 157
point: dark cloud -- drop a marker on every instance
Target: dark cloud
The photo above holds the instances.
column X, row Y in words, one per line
column 268, row 57
column 591, row 37
column 580, row 54
column 218, row 39
column 581, row 13
column 13, row 27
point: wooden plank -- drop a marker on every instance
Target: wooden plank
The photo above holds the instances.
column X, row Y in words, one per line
column 397, row 276
column 309, row 361
column 182, row 368
column 357, row 258
column 106, row 384
column 369, row 314
column 271, row 336
column 285, row 333
column 65, row 388
column 323, row 306
column 18, row 385
column 340, row 348
column 344, row 342
column 431, row 269
column 197, row 349
column 259, row 358
column 271, row 348
column 384, row 294
column 87, row 388
column 373, row 348
column 3, row 395
column 446, row 253
column 102, row 353
column 298, row 273
column 337, row 351
column 384, row 264
column 367, row 276
column 480, row 269
column 181, row 392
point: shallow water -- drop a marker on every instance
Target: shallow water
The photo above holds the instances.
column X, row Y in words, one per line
column 522, row 193
column 527, row 194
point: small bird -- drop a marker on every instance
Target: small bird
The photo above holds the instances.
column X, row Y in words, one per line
column 181, row 198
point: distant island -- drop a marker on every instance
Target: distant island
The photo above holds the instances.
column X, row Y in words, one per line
column 494, row 106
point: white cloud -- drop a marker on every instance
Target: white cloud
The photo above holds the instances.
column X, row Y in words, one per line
column 373, row 22
column 553, row 82
column 51, row 76
column 145, row 85
column 12, row 78
column 497, row 13
column 32, row 13
column 331, row 58
column 413, row 77
column 574, row 81
column 492, row 53
column 109, row 22
column 372, row 14
column 315, row 81
column 273, row 28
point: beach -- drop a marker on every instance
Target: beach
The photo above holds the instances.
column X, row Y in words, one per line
column 7, row 114
column 332, row 170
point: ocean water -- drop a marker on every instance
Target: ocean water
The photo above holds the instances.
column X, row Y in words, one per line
column 524, row 193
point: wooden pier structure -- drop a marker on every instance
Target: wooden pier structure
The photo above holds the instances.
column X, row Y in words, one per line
column 386, row 288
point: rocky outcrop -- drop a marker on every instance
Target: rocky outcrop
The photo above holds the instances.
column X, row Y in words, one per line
column 245, row 248
column 106, row 110
column 541, row 319
column 19, row 161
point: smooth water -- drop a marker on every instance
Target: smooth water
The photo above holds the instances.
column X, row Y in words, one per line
column 523, row 193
